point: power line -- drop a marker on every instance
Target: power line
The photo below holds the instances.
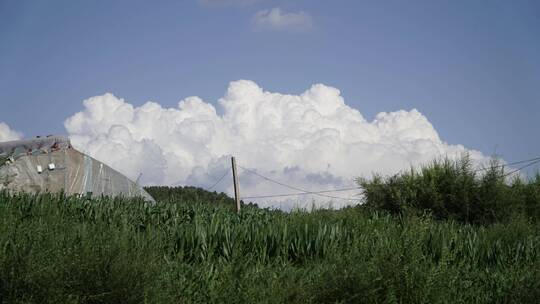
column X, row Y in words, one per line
column 510, row 164
column 522, row 167
column 292, row 187
column 302, row 193
column 219, row 180
column 529, row 162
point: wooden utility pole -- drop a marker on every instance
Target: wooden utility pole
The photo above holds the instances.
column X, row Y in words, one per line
column 235, row 182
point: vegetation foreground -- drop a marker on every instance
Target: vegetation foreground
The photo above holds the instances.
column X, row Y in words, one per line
column 192, row 248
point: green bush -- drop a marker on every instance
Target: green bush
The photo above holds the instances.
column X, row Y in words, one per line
column 454, row 190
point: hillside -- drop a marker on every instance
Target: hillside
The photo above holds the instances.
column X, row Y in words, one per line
column 188, row 193
column 166, row 194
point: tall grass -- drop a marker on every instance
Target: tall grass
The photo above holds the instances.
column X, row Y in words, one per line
column 57, row 249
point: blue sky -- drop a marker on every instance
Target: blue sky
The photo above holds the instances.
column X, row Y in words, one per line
column 471, row 67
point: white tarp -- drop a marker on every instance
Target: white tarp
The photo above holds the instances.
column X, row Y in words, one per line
column 51, row 164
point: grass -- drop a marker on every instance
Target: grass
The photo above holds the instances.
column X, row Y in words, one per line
column 57, row 249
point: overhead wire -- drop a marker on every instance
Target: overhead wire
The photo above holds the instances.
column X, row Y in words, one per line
column 509, row 164
column 220, row 179
column 528, row 162
column 304, row 192
column 522, row 167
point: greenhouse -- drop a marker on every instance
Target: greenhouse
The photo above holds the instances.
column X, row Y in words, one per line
column 51, row 164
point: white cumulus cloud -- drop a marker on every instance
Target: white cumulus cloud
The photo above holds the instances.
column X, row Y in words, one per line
column 7, row 134
column 313, row 141
column 276, row 19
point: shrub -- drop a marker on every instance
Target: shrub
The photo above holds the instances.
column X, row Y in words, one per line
column 454, row 190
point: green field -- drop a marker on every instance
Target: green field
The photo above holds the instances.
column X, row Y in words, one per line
column 192, row 248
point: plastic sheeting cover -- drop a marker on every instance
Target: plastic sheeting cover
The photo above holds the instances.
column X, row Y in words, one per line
column 28, row 168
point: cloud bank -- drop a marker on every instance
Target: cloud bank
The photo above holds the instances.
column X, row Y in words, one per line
column 277, row 20
column 7, row 134
column 312, row 141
